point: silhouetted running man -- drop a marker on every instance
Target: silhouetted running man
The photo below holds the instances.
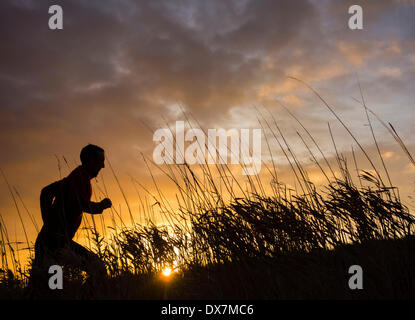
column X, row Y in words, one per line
column 62, row 204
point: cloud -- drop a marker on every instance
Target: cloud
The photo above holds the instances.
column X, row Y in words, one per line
column 388, row 154
column 356, row 54
column 393, row 72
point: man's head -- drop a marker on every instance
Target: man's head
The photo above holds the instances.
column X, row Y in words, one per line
column 92, row 158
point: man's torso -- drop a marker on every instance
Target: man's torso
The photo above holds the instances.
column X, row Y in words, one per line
column 66, row 211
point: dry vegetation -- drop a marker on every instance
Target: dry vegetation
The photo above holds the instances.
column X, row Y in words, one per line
column 264, row 242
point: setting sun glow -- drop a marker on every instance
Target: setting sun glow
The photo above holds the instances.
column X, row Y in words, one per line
column 166, row 272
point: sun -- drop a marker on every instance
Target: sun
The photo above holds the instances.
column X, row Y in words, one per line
column 166, row 272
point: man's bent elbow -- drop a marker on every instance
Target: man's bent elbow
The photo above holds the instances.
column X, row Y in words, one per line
column 43, row 197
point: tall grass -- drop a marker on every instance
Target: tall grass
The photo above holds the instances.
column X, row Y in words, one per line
column 218, row 222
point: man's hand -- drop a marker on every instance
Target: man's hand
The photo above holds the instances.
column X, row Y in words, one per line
column 106, row 203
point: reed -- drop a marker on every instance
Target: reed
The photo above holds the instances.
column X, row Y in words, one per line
column 218, row 234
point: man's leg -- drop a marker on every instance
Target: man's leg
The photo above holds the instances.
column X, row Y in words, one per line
column 44, row 258
column 89, row 261
column 37, row 275
column 96, row 283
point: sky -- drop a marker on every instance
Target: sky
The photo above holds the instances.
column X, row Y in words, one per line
column 120, row 70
